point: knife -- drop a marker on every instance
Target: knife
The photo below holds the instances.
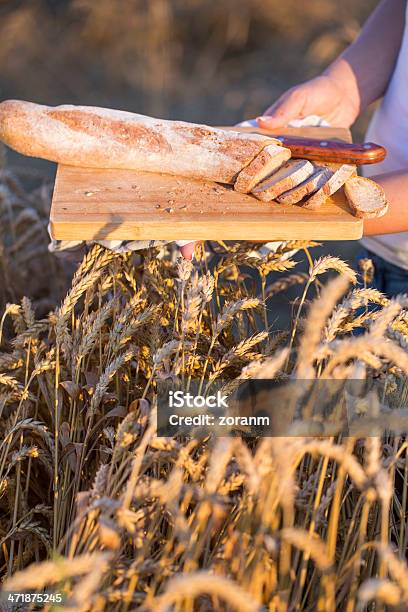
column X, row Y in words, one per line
column 321, row 149
column 334, row 150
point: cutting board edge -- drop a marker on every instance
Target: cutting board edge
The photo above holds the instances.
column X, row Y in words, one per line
column 212, row 231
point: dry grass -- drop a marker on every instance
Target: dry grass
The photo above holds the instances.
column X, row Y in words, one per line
column 94, row 505
column 25, row 265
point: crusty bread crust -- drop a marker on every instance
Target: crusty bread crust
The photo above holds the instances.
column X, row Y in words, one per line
column 293, row 173
column 104, row 138
column 309, row 186
column 270, row 159
column 333, row 184
column 366, row 198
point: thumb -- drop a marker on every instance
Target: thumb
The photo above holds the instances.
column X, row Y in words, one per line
column 188, row 250
column 287, row 108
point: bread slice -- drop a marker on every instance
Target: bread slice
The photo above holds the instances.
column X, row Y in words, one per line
column 333, row 184
column 365, row 197
column 270, row 159
column 309, row 186
column 290, row 175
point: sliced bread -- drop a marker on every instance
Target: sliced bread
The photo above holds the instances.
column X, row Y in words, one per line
column 270, row 159
column 365, row 197
column 333, row 184
column 309, row 186
column 293, row 173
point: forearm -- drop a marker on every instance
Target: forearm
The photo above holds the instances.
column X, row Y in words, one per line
column 395, row 185
column 366, row 66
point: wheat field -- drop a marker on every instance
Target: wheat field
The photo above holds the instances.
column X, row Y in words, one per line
column 95, row 506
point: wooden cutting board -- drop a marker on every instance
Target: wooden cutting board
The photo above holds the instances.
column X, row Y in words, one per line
column 93, row 204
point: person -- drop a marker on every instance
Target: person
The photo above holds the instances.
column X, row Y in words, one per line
column 375, row 65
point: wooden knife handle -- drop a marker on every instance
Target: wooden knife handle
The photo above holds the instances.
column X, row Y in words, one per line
column 334, row 151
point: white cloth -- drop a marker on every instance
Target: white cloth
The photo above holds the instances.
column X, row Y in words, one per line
column 389, row 127
column 309, row 121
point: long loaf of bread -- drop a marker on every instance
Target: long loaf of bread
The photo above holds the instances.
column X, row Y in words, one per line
column 103, row 138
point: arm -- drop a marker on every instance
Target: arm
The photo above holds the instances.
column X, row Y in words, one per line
column 366, row 66
column 358, row 77
column 395, row 185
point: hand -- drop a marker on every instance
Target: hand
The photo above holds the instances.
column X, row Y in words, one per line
column 323, row 96
column 187, row 250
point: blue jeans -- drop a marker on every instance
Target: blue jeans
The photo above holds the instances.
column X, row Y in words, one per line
column 391, row 280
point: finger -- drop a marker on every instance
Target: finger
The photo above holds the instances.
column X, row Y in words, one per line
column 188, row 250
column 271, row 123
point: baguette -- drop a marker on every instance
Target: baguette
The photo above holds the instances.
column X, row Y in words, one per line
column 333, row 184
column 290, row 175
column 365, row 197
column 103, row 138
column 309, row 186
column 265, row 163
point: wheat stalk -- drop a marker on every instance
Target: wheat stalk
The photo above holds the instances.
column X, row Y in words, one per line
column 316, row 319
column 192, row 585
column 41, row 575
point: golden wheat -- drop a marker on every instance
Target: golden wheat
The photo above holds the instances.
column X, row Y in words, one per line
column 93, row 504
